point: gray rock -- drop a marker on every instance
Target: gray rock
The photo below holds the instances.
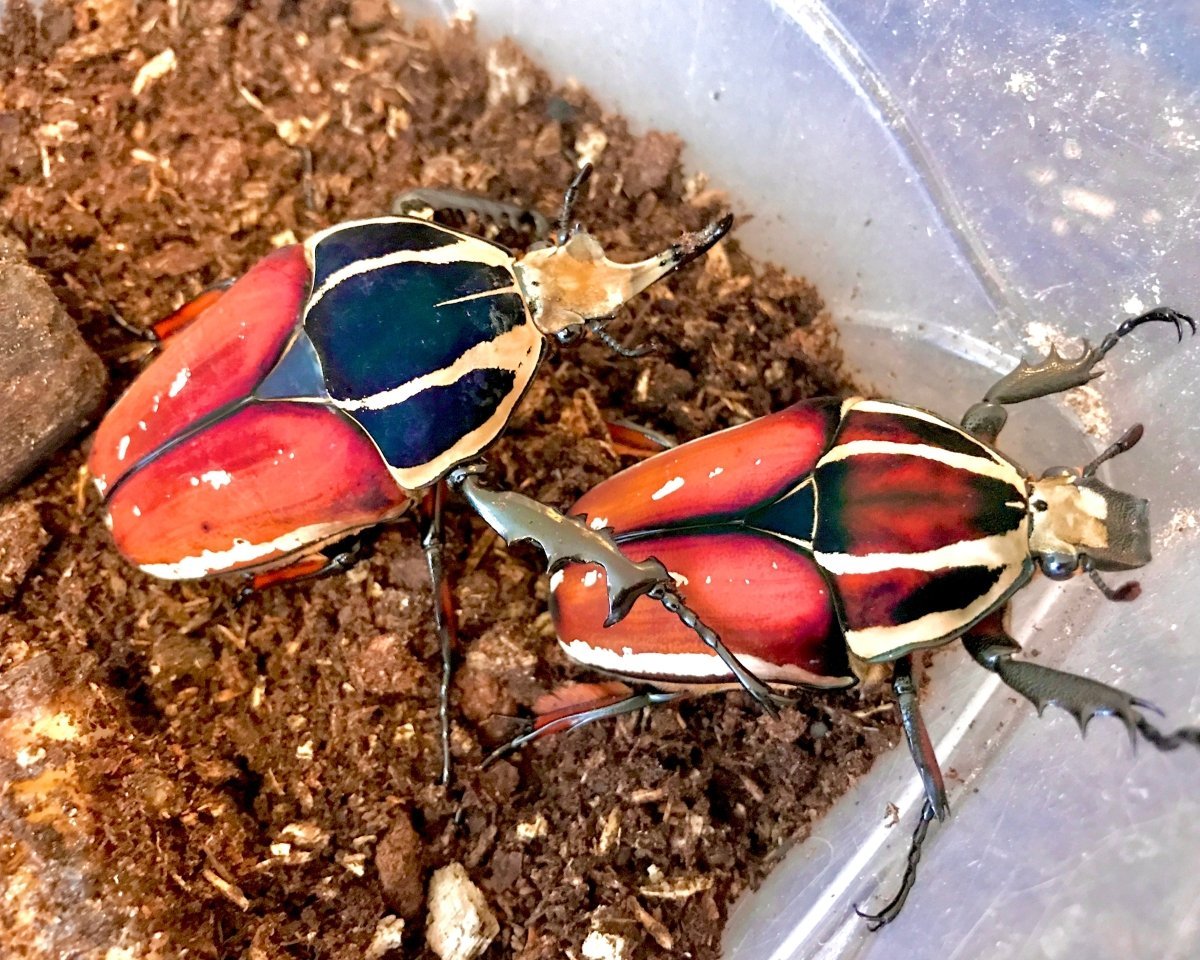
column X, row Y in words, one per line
column 50, row 380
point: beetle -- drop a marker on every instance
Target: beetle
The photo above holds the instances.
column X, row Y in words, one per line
column 828, row 542
column 344, row 378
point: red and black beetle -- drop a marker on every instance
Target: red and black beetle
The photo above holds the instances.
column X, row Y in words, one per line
column 342, row 378
column 831, row 540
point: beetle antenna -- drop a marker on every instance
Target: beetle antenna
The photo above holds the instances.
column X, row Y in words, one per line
column 1125, row 443
column 1127, row 591
column 615, row 345
column 562, row 230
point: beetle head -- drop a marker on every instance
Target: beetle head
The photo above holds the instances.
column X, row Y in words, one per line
column 571, row 284
column 1079, row 523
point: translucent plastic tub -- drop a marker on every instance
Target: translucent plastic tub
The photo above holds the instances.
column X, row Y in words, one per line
column 961, row 181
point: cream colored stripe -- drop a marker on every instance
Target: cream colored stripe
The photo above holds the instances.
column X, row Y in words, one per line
column 414, row 478
column 961, row 461
column 900, row 410
column 930, row 629
column 903, row 410
column 993, row 551
column 243, row 552
column 802, row 544
column 464, row 250
column 478, row 296
column 507, row 352
column 680, row 667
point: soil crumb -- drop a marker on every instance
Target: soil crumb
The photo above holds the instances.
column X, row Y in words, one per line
column 183, row 776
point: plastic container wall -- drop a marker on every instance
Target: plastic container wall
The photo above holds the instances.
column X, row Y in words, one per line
column 965, row 182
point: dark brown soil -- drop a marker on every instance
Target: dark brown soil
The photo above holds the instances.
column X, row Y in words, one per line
column 180, row 775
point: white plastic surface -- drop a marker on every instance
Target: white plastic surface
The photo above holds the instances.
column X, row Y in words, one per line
column 961, row 180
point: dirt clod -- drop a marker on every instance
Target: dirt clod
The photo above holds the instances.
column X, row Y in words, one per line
column 399, row 861
column 655, row 156
column 385, row 667
column 22, row 539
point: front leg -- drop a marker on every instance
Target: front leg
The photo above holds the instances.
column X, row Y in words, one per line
column 991, row 646
column 1055, row 374
column 568, row 540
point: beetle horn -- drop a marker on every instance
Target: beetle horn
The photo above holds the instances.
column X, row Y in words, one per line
column 683, row 251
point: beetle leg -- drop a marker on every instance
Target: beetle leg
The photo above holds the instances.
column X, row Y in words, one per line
column 919, row 744
column 334, row 559
column 935, row 805
column 892, row 909
column 432, row 541
column 568, row 540
column 1055, row 374
column 601, row 707
column 162, row 330
column 425, row 202
column 190, row 312
column 636, row 441
column 1081, row 697
column 670, row 599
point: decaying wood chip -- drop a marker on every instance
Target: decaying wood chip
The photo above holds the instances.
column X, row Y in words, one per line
column 460, row 924
column 231, row 891
column 653, row 926
column 674, row 888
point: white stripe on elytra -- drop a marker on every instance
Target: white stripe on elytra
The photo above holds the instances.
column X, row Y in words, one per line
column 802, row 544
column 930, row 629
column 507, row 352
column 478, row 296
column 994, row 551
column 465, row 250
column 243, row 553
column 700, row 666
column 421, row 475
column 899, row 410
column 986, row 467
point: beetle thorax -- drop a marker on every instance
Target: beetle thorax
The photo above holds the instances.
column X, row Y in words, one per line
column 1066, row 518
column 569, row 284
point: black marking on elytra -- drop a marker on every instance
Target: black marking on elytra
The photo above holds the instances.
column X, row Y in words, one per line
column 419, row 429
column 949, row 590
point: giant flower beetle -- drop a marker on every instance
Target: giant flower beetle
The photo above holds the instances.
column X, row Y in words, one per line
column 343, row 378
column 830, row 541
